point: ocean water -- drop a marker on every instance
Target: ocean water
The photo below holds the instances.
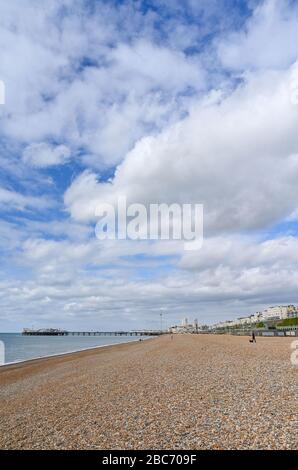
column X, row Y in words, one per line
column 20, row 348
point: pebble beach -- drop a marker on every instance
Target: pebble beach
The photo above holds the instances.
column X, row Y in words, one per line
column 189, row 392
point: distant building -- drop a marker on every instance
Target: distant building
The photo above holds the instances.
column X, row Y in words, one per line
column 256, row 317
column 280, row 312
column 186, row 327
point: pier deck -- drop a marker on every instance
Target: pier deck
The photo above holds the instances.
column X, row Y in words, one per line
column 56, row 332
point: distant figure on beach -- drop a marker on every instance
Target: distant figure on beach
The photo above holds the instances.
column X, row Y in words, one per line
column 253, row 338
column 171, row 336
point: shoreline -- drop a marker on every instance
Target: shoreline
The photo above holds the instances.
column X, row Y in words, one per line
column 66, row 353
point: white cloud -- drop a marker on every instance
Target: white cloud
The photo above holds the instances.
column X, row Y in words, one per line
column 128, row 87
column 228, row 278
column 13, row 200
column 269, row 39
column 239, row 253
column 235, row 156
column 43, row 155
column 158, row 66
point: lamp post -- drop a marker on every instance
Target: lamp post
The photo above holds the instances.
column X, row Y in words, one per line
column 162, row 312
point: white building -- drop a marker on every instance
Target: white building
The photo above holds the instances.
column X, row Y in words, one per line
column 243, row 320
column 186, row 327
column 256, row 317
column 225, row 324
column 292, row 311
column 280, row 312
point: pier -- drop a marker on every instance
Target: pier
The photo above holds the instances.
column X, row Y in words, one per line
column 115, row 333
column 57, row 332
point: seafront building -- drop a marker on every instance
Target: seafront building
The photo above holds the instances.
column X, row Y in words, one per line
column 280, row 312
column 270, row 314
column 277, row 312
column 186, row 327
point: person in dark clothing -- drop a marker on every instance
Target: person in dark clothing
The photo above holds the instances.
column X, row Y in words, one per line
column 253, row 337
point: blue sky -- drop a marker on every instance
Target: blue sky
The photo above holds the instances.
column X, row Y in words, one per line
column 181, row 101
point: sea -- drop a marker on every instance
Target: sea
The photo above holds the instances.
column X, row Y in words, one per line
column 14, row 347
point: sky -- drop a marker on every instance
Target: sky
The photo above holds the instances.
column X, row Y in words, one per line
column 183, row 101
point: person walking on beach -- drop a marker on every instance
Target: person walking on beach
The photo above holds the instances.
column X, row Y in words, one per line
column 253, row 337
